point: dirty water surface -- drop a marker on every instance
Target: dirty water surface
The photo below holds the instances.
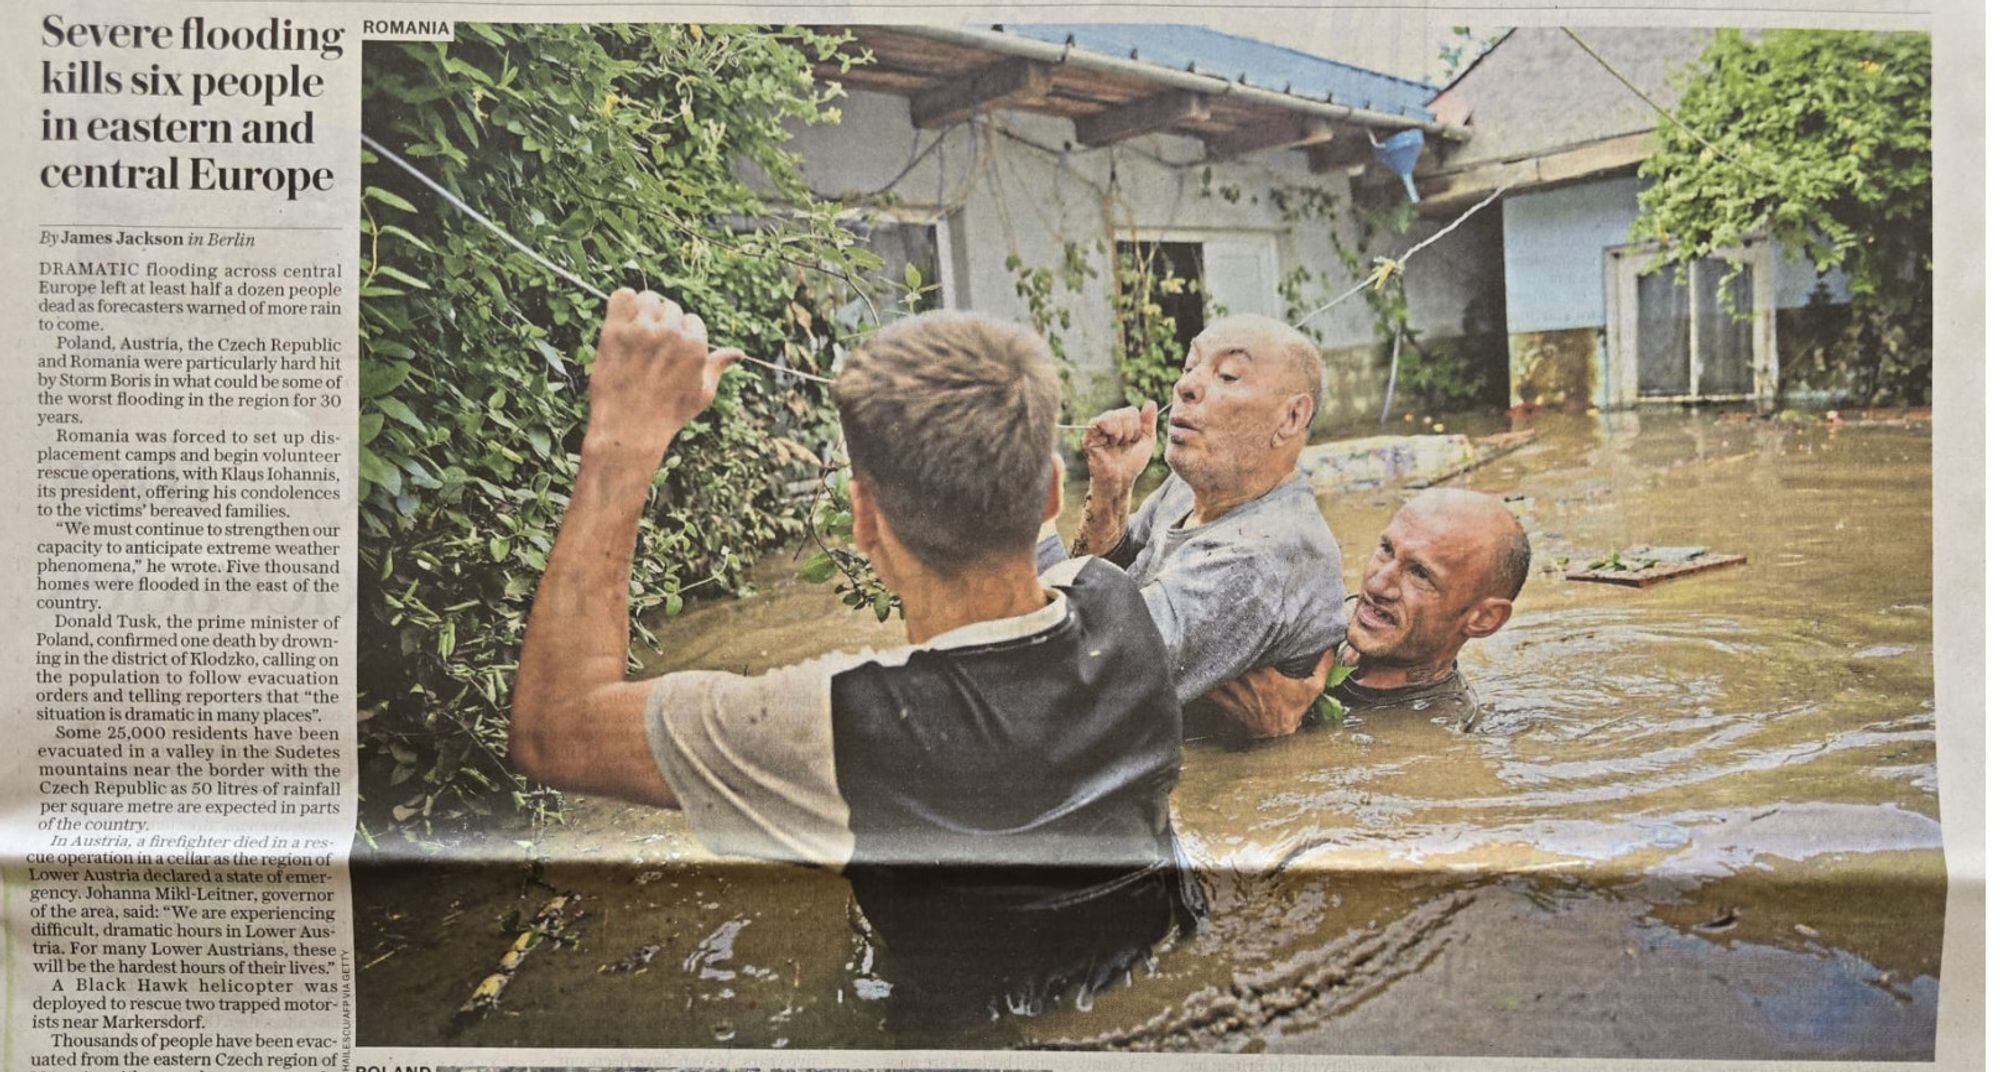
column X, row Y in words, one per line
column 1695, row 820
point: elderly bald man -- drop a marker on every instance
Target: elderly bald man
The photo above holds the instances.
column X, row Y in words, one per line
column 1236, row 564
column 1446, row 571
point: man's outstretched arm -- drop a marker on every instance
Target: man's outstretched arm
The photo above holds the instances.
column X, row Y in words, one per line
column 578, row 724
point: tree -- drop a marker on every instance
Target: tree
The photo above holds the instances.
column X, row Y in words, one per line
column 645, row 156
column 1821, row 141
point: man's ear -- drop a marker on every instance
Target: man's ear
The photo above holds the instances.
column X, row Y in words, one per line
column 1054, row 503
column 1298, row 415
column 867, row 520
column 1487, row 616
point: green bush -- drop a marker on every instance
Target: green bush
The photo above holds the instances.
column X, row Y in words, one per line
column 1820, row 140
column 1150, row 353
column 620, row 153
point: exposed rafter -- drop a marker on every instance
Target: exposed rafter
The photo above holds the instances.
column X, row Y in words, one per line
column 1277, row 134
column 1340, row 153
column 1148, row 115
column 1009, row 83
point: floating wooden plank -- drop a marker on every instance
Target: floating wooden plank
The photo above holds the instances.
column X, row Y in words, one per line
column 1147, row 115
column 1655, row 573
column 1279, row 134
column 1009, row 83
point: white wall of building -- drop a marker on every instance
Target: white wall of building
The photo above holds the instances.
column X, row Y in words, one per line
column 1011, row 185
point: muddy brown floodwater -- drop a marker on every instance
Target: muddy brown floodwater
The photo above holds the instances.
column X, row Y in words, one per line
column 1696, row 820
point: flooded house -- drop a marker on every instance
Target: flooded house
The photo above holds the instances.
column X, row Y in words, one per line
column 1561, row 123
column 1710, row 802
column 1014, row 166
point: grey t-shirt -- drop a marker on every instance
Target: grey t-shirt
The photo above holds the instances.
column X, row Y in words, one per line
column 1447, row 697
column 1258, row 586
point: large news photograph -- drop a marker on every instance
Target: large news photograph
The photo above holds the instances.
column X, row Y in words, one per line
column 1223, row 538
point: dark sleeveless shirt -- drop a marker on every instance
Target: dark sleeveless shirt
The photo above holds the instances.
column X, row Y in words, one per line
column 1009, row 802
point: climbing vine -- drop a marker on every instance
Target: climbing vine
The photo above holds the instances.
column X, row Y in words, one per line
column 1440, row 376
column 1150, row 348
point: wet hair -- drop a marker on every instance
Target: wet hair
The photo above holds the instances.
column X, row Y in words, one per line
column 950, row 422
column 1512, row 562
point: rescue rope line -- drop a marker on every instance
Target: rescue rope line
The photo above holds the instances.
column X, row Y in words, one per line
column 559, row 270
column 1385, row 267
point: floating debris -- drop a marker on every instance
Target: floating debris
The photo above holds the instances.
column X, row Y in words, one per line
column 1637, row 567
column 648, row 878
column 631, row 963
column 486, row 996
column 1723, row 922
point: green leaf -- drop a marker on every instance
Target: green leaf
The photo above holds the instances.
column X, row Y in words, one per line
column 553, row 356
column 401, row 413
column 376, row 193
column 380, row 473
column 380, row 378
column 818, row 569
column 401, row 276
column 1340, row 673
column 371, row 426
column 1327, row 711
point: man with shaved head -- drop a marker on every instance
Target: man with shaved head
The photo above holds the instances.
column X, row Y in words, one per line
column 1236, row 564
column 1446, row 570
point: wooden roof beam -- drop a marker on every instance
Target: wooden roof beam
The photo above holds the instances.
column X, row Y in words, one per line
column 1278, row 134
column 1340, row 153
column 1602, row 157
column 1009, row 83
column 1147, row 115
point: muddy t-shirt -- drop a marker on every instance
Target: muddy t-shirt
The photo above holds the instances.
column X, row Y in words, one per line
column 1258, row 586
column 1448, row 696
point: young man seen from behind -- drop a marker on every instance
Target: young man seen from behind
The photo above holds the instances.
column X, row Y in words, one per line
column 996, row 792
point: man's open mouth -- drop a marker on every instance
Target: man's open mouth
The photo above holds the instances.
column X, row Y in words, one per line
column 1180, row 428
column 1373, row 617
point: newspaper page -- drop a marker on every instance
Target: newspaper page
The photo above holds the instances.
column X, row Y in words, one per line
column 305, row 308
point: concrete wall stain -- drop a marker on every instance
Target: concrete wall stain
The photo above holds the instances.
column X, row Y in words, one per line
column 1556, row 368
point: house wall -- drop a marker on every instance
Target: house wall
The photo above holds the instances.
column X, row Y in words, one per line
column 1012, row 186
column 1554, row 263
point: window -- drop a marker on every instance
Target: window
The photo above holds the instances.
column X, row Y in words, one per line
column 1675, row 341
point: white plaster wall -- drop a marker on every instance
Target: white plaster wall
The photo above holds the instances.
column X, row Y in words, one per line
column 1013, row 186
